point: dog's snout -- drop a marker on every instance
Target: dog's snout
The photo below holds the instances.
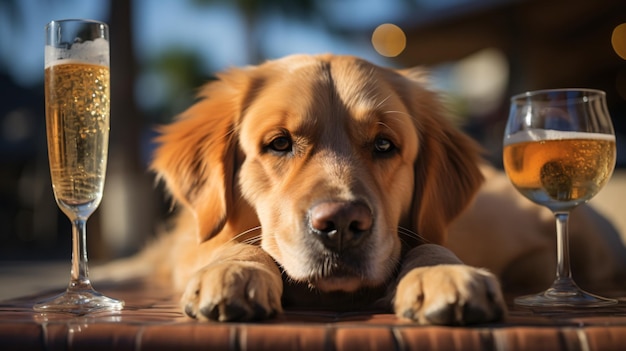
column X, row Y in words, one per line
column 341, row 224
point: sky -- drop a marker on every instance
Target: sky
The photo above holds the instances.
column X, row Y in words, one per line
column 22, row 38
column 216, row 31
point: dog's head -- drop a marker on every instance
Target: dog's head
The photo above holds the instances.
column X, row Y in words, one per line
column 330, row 155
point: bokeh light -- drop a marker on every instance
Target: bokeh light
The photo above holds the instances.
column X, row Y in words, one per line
column 618, row 40
column 389, row 40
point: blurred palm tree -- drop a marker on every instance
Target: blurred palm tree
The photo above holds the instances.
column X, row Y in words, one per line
column 130, row 204
column 13, row 11
column 253, row 10
column 124, row 111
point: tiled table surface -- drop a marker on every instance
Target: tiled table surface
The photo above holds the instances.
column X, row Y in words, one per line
column 152, row 319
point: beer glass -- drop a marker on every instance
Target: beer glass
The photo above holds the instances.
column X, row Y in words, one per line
column 77, row 126
column 559, row 151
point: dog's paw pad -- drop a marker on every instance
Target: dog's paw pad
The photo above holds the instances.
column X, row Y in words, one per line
column 224, row 312
column 449, row 295
column 447, row 314
column 247, row 293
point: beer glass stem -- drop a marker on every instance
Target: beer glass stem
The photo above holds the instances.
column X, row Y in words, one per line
column 563, row 270
column 80, row 272
column 564, row 284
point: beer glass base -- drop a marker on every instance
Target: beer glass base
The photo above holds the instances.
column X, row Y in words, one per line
column 564, row 298
column 79, row 302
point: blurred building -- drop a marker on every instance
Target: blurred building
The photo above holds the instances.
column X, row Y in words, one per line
column 531, row 44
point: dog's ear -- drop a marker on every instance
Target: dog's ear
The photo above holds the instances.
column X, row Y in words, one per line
column 447, row 174
column 196, row 157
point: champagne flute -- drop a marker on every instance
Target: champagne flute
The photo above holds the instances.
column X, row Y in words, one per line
column 77, row 124
column 559, row 151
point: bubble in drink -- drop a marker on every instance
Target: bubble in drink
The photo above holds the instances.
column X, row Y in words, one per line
column 559, row 169
column 77, row 117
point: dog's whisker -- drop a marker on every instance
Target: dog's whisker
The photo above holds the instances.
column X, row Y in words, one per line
column 396, row 118
column 229, row 133
column 384, row 125
column 405, row 232
column 248, row 231
column 253, row 240
column 382, row 101
column 249, row 240
column 396, row 112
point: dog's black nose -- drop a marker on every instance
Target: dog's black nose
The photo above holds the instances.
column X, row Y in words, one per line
column 341, row 224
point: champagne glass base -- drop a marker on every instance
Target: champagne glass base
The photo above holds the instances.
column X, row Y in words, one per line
column 564, row 298
column 79, row 302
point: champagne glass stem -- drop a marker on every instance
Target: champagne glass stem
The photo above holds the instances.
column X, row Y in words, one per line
column 80, row 297
column 80, row 270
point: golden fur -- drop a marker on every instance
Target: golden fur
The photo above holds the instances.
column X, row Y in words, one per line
column 323, row 182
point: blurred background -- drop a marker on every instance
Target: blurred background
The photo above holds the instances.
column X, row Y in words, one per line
column 480, row 52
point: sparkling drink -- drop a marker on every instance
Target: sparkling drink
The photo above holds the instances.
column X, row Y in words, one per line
column 77, row 124
column 77, row 117
column 559, row 170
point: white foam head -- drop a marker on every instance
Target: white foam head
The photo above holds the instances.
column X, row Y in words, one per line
column 550, row 134
column 94, row 52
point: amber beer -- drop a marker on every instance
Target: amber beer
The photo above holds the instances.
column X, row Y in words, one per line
column 559, row 169
column 77, row 117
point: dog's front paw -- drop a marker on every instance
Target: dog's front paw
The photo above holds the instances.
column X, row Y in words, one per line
column 449, row 295
column 233, row 291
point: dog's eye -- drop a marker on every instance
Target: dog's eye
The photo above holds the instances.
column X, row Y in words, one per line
column 383, row 145
column 280, row 144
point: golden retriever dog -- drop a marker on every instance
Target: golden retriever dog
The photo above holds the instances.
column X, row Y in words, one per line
column 329, row 182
